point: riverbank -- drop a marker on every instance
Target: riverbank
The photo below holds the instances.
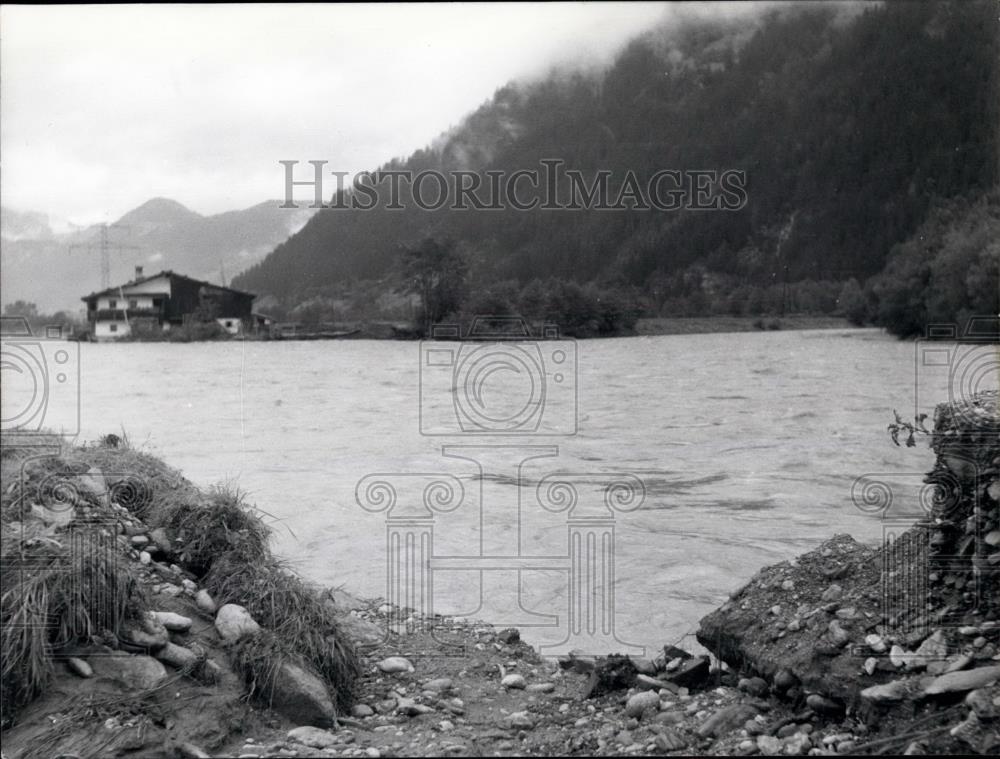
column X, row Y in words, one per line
column 211, row 648
column 695, row 325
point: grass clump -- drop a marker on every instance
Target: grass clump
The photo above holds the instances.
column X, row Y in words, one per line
column 54, row 592
column 301, row 623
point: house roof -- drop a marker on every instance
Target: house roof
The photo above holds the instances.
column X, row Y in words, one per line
column 165, row 273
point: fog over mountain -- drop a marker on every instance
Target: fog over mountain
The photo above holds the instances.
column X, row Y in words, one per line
column 55, row 269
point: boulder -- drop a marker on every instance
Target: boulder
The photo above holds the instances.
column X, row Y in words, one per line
column 135, row 672
column 233, row 623
column 301, row 696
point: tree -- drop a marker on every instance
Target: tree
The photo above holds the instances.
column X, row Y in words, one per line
column 21, row 308
column 435, row 272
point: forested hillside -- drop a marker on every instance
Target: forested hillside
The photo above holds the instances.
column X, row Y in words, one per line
column 850, row 126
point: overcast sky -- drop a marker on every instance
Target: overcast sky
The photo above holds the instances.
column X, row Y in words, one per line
column 104, row 107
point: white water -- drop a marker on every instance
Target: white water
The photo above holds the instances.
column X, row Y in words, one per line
column 748, row 445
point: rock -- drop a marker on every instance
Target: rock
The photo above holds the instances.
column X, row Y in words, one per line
column 875, row 643
column 899, row 657
column 822, row 705
column 162, row 541
column 839, row 637
column 313, row 737
column 985, row 706
column 847, row 613
column 144, row 557
column 956, row 682
column 187, row 750
column 935, row 648
column 870, row 665
column 725, row 720
column 755, row 686
column 786, row 730
column 833, row 593
column 301, row 696
column 138, row 541
column 135, row 672
column 204, row 601
column 361, row 711
column 541, row 687
column 178, row 657
column 411, row 708
column 520, row 721
column 394, row 664
column 894, row 690
column 173, row 622
column 670, row 740
column 233, row 623
column 691, row 673
column 149, row 634
column 361, row 631
column 439, row 685
column 788, row 585
column 784, row 679
column 509, row 636
column 513, row 682
column 640, row 702
column 769, row 745
column 610, row 674
column 79, row 667
column 645, row 682
column 797, row 744
column 643, row 665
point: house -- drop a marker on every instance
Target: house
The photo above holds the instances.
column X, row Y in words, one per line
column 165, row 301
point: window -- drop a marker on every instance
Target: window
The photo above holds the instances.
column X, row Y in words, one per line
column 229, row 323
column 113, row 328
column 112, row 303
column 133, row 303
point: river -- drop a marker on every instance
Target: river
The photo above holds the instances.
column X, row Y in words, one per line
column 746, row 445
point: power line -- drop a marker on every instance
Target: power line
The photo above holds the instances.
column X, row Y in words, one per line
column 106, row 247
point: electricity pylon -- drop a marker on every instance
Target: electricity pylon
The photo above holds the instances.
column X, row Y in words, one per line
column 105, row 247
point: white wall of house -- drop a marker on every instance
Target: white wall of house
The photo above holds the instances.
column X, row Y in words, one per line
column 131, row 300
column 231, row 324
column 110, row 330
column 143, row 293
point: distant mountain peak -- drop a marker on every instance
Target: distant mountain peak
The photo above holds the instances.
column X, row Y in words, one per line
column 160, row 211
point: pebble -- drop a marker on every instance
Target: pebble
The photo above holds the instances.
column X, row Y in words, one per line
column 394, row 664
column 541, row 687
column 173, row 622
column 144, row 557
column 898, row 656
column 361, row 711
column 372, row 753
column 875, row 643
column 79, row 667
column 204, row 601
column 768, row 744
column 640, row 702
column 520, row 721
column 833, row 593
column 788, row 585
column 871, row 664
column 513, row 681
column 139, row 540
column 439, row 684
column 775, row 610
column 313, row 737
